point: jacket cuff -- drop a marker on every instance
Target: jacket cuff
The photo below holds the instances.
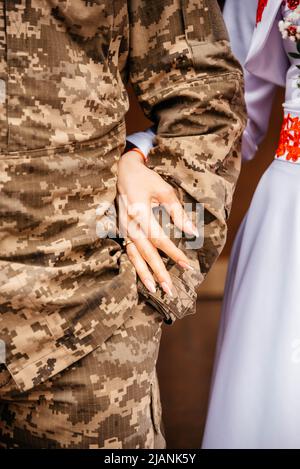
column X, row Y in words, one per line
column 183, row 302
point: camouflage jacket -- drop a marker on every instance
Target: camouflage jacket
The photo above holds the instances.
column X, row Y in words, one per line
column 63, row 67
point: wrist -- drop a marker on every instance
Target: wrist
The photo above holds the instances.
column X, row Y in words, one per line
column 134, row 156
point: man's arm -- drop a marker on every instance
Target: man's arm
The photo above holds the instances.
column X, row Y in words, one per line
column 191, row 87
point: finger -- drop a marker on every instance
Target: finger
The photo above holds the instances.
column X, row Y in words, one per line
column 165, row 244
column 155, row 233
column 141, row 267
column 123, row 216
column 169, row 200
column 150, row 254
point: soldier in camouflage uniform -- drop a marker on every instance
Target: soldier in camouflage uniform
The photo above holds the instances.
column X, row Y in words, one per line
column 81, row 334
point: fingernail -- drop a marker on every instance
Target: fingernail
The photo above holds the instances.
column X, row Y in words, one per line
column 150, row 285
column 166, row 288
column 185, row 265
column 190, row 227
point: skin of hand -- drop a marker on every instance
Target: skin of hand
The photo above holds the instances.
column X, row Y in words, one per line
column 139, row 190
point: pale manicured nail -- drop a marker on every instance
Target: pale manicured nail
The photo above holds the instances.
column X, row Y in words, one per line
column 190, row 227
column 166, row 288
column 185, row 265
column 150, row 285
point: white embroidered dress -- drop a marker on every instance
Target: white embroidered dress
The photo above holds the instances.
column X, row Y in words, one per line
column 255, row 396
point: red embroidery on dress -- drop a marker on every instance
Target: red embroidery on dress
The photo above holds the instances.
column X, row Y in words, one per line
column 260, row 9
column 289, row 141
column 292, row 4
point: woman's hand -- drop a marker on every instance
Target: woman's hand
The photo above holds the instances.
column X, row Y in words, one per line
column 140, row 189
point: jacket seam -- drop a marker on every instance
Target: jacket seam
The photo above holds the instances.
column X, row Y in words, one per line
column 210, row 77
column 71, row 147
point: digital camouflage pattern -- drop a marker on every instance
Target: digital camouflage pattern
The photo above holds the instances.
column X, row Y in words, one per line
column 109, row 399
column 64, row 292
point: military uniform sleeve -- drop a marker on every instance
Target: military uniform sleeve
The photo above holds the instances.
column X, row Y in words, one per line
column 191, row 87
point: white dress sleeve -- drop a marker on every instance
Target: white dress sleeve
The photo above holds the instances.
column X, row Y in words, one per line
column 259, row 96
column 240, row 18
column 143, row 140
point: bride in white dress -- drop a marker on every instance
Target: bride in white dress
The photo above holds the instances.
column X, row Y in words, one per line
column 255, row 396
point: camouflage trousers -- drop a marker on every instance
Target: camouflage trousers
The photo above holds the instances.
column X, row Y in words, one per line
column 108, row 399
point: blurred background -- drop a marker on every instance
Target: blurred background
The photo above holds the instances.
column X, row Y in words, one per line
column 187, row 348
